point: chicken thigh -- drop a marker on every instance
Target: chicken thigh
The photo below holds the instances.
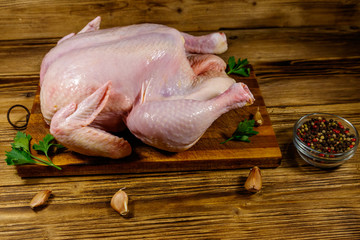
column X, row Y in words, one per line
column 165, row 86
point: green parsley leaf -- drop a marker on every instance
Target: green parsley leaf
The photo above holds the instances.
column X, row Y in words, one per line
column 22, row 141
column 18, row 157
column 243, row 131
column 238, row 68
column 231, row 62
column 20, row 152
column 45, row 145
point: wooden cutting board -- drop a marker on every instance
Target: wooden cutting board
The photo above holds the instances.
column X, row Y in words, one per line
column 206, row 154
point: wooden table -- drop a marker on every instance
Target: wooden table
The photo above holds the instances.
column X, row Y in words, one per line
column 303, row 65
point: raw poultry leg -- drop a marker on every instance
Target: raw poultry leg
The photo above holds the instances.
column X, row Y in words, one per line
column 176, row 125
column 211, row 43
column 202, row 63
column 211, row 79
column 70, row 126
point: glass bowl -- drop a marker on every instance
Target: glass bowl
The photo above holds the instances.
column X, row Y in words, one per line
column 327, row 149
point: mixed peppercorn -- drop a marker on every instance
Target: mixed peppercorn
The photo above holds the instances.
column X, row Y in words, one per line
column 326, row 136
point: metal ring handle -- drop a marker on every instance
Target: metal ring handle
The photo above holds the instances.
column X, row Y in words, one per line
column 27, row 117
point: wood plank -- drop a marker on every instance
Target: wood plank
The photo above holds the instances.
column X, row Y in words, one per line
column 208, row 153
column 311, row 78
column 37, row 19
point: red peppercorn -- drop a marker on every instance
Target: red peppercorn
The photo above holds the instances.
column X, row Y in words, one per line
column 351, row 146
column 353, row 139
column 347, row 131
column 322, row 155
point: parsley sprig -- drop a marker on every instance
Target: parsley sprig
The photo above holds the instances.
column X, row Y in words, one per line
column 238, row 68
column 243, row 131
column 20, row 152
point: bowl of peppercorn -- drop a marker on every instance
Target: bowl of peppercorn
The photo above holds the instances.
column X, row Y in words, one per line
column 325, row 140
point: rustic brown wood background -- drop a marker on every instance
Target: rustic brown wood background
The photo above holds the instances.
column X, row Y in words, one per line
column 307, row 58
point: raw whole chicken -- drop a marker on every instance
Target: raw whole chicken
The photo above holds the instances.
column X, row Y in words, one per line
column 165, row 86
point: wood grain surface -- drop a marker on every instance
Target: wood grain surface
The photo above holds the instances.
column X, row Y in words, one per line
column 41, row 19
column 206, row 154
column 306, row 57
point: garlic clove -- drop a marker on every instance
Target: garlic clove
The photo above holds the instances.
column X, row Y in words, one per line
column 254, row 182
column 40, row 198
column 119, row 202
column 258, row 118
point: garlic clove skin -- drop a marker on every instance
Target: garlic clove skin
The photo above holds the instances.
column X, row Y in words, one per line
column 254, row 182
column 40, row 198
column 258, row 118
column 119, row 202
